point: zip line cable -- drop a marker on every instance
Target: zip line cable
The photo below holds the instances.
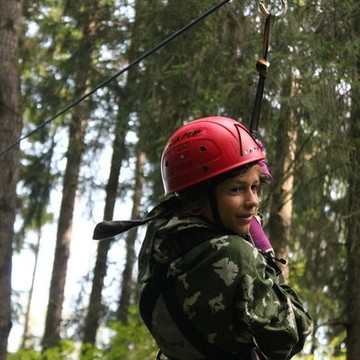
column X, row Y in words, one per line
column 105, row 82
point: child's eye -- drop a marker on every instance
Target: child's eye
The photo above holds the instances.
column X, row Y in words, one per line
column 237, row 189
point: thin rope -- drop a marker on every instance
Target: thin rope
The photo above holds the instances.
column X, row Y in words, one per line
column 105, row 82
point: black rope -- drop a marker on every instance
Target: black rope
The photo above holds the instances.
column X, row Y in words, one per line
column 105, row 82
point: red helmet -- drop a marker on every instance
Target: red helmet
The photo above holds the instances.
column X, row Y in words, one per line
column 205, row 148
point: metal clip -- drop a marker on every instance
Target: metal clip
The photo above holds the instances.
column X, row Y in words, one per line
column 265, row 11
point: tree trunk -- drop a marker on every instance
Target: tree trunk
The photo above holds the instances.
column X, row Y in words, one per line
column 75, row 151
column 127, row 275
column 64, row 232
column 26, row 334
column 353, row 223
column 353, row 240
column 10, row 131
column 281, row 196
column 95, row 307
column 126, row 104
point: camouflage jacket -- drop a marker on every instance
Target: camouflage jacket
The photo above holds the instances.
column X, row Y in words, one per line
column 224, row 287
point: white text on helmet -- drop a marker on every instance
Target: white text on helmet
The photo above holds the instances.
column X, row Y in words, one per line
column 251, row 150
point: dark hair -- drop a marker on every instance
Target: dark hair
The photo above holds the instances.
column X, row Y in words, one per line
column 195, row 196
column 232, row 173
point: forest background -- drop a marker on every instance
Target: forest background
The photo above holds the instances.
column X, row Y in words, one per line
column 99, row 159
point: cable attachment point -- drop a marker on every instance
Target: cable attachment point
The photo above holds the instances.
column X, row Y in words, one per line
column 265, row 11
column 262, row 66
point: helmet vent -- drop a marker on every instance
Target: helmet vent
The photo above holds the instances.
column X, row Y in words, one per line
column 203, row 148
column 206, row 168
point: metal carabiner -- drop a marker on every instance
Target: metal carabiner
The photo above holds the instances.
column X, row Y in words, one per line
column 265, row 11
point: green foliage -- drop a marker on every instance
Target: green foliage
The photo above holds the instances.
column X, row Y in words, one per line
column 131, row 341
column 65, row 350
column 24, row 354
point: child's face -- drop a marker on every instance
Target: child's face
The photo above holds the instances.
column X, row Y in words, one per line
column 237, row 200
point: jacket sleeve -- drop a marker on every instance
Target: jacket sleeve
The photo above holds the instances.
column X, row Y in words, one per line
column 271, row 312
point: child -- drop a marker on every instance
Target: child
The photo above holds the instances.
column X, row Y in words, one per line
column 207, row 291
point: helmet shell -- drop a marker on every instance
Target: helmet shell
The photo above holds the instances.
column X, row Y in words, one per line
column 205, row 148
